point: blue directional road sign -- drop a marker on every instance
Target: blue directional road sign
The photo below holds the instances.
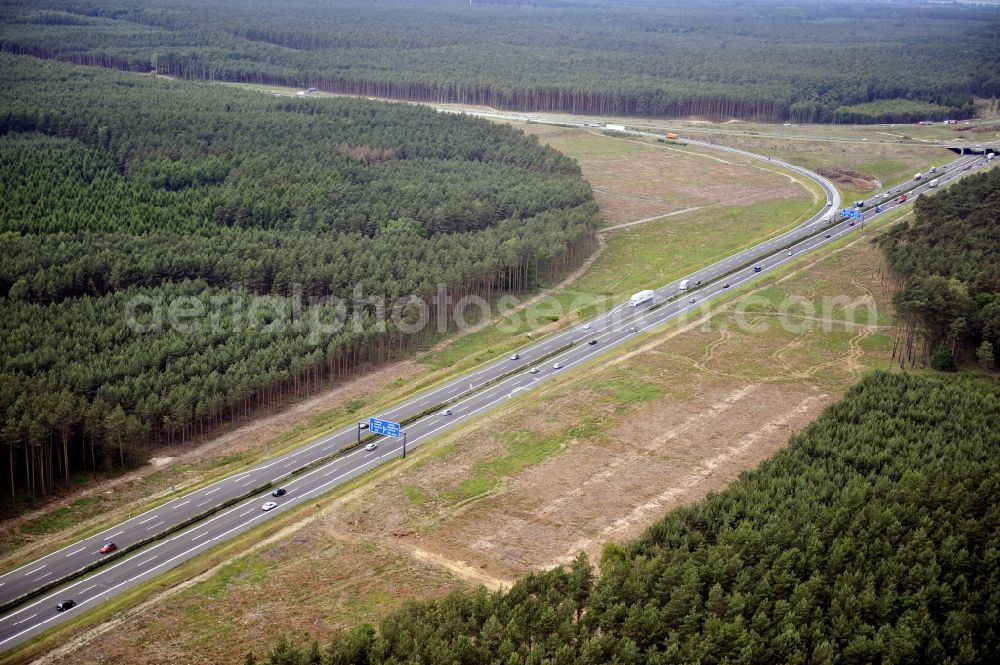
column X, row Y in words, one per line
column 383, row 427
column 848, row 212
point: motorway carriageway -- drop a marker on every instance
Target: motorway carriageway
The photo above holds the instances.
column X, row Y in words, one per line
column 468, row 395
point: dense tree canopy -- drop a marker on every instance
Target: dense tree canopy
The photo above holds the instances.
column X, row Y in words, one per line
column 123, row 195
column 948, row 260
column 805, row 61
column 871, row 539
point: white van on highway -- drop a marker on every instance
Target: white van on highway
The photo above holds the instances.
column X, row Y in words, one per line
column 933, row 183
column 684, row 284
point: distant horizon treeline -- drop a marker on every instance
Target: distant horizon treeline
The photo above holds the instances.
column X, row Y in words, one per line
column 946, row 265
column 119, row 190
column 871, row 538
column 833, row 63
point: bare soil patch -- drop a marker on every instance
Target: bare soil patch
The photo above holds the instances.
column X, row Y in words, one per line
column 978, row 129
column 850, row 177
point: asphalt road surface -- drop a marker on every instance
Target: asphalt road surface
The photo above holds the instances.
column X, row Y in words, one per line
column 465, row 396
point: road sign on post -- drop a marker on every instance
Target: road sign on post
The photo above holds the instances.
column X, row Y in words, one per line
column 383, row 427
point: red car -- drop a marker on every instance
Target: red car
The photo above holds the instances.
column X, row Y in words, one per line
column 108, row 548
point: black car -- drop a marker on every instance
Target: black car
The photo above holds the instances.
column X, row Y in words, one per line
column 725, row 286
column 278, row 492
column 827, row 235
column 592, row 342
column 65, row 605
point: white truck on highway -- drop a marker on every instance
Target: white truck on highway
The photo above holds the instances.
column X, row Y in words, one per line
column 684, row 284
column 616, row 128
column 933, row 183
column 641, row 297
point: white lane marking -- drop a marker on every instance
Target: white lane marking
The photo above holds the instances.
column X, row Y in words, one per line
column 200, row 535
column 211, row 491
column 75, row 552
column 113, row 535
column 42, row 577
column 73, row 585
column 106, row 593
column 32, row 572
column 202, row 504
column 26, row 619
column 181, row 504
column 88, row 589
column 153, row 526
column 152, row 517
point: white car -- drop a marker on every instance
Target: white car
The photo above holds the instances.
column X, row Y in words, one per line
column 269, row 505
column 789, row 252
column 557, row 366
column 585, row 327
column 515, row 356
column 691, row 300
column 829, row 202
column 371, row 446
column 533, row 370
column 446, row 412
